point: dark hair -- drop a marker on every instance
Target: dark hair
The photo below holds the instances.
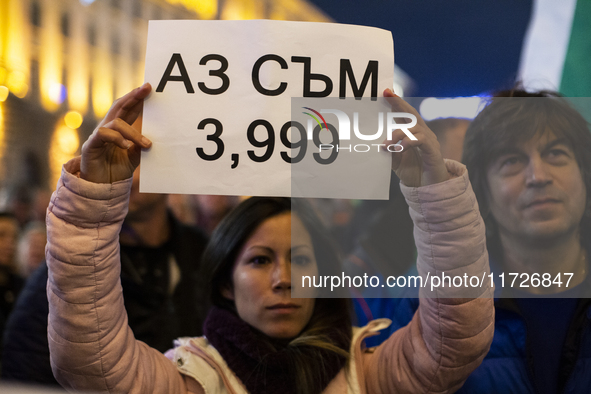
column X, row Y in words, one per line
column 7, row 215
column 513, row 117
column 330, row 314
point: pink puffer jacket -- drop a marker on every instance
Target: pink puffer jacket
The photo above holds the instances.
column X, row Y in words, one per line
column 92, row 347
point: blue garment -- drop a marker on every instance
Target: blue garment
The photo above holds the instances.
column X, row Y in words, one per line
column 546, row 344
column 508, row 367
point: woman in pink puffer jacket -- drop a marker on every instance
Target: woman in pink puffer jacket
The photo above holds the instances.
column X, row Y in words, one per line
column 258, row 338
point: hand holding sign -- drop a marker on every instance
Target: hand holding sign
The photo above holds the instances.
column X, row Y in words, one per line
column 221, row 117
column 420, row 162
column 112, row 152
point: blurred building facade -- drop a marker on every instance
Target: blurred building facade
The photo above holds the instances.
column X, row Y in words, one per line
column 63, row 62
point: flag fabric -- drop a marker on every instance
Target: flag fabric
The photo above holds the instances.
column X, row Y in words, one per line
column 556, row 54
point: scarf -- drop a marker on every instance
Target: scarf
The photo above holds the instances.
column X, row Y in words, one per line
column 265, row 365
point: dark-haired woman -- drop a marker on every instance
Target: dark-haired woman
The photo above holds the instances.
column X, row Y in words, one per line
column 259, row 339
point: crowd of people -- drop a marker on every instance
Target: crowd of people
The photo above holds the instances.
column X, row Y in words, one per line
column 125, row 274
column 22, row 243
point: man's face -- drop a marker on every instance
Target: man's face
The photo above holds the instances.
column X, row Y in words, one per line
column 142, row 204
column 536, row 190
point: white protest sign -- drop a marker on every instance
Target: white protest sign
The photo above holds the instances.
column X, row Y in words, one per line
column 220, row 113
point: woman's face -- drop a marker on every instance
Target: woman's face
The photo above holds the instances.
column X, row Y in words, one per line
column 261, row 278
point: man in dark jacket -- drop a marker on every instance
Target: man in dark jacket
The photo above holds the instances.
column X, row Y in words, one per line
column 162, row 286
column 528, row 159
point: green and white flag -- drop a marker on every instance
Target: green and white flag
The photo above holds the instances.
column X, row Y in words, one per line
column 556, row 54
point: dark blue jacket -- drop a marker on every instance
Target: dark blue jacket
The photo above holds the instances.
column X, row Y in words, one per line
column 507, row 367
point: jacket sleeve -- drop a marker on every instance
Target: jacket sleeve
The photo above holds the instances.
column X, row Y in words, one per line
column 90, row 342
column 452, row 329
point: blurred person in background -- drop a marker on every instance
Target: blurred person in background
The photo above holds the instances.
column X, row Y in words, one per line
column 27, row 203
column 161, row 280
column 202, row 210
column 210, row 210
column 336, row 214
column 31, row 248
column 40, row 203
column 10, row 282
column 450, row 133
column 17, row 200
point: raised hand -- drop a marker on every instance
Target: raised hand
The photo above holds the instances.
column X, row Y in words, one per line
column 420, row 163
column 112, row 152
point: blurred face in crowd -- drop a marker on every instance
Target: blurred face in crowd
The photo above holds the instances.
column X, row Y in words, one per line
column 35, row 250
column 142, row 204
column 261, row 277
column 536, row 190
column 211, row 209
column 8, row 240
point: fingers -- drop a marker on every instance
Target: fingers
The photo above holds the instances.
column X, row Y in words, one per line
column 117, row 132
column 398, row 104
column 116, row 126
column 419, row 163
column 134, row 154
column 425, row 140
column 390, row 93
column 129, row 106
column 131, row 109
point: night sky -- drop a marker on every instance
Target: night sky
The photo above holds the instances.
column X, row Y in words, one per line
column 449, row 47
